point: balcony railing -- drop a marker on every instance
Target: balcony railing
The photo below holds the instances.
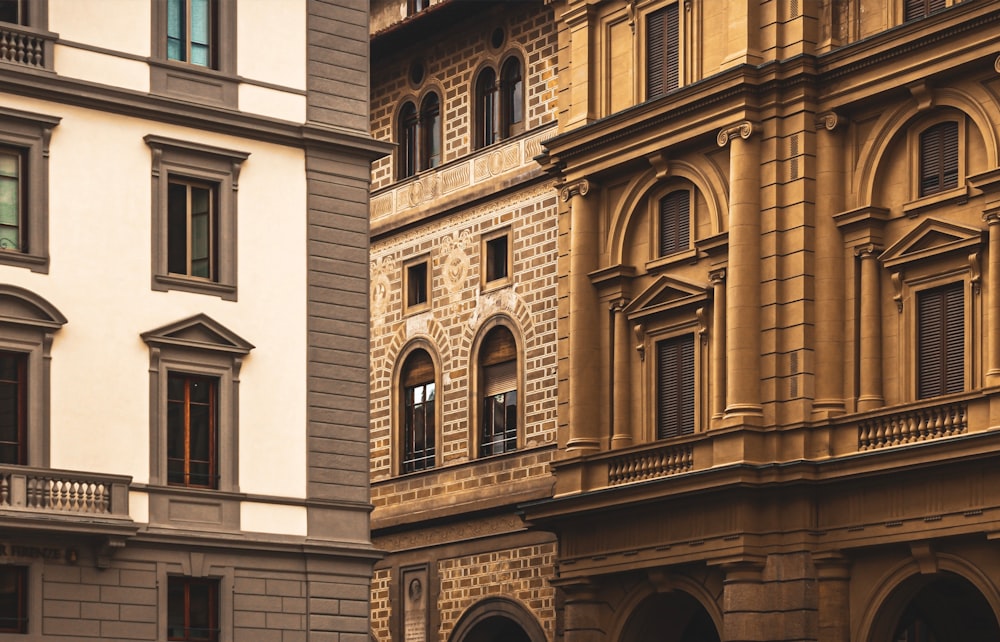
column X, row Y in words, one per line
column 25, row 46
column 44, row 490
column 922, row 424
column 939, row 420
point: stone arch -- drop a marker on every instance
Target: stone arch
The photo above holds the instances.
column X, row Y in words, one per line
column 890, row 597
column 483, row 618
column 432, row 333
column 893, row 123
column 706, row 182
column 683, row 589
column 503, row 303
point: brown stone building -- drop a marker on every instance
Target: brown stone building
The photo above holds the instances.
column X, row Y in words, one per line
column 778, row 313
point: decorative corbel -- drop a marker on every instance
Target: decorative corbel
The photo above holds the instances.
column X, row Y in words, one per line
column 923, row 554
column 897, row 289
column 975, row 272
column 922, row 93
column 106, row 550
column 660, row 164
column 640, row 335
column 702, row 325
column 630, row 9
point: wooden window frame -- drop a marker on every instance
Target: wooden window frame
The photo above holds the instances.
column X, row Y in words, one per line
column 33, row 13
column 408, row 125
column 489, row 244
column 184, row 584
column 417, row 282
column 23, row 597
column 19, row 382
column 187, row 461
column 920, row 203
column 511, row 97
column 487, row 105
column 28, row 136
column 683, row 341
column 486, row 441
column 658, row 79
column 187, row 227
column 947, row 316
column 186, row 39
column 217, row 84
column 429, row 127
column 410, row 461
column 176, row 161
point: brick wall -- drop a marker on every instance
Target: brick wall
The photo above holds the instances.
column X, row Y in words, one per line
column 520, row 574
column 458, row 308
column 450, row 67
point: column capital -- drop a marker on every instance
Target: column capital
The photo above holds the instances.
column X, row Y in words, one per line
column 827, row 120
column 576, row 188
column 717, row 277
column 867, row 251
column 992, row 217
column 996, row 64
column 742, row 129
column 619, row 304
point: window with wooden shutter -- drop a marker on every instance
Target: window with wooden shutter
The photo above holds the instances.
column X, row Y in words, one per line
column 941, row 341
column 675, row 387
column 498, row 361
column 662, row 52
column 939, row 158
column 419, row 397
column 675, row 222
column 914, row 9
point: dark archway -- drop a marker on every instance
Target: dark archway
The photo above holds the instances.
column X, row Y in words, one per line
column 670, row 617
column 497, row 619
column 944, row 608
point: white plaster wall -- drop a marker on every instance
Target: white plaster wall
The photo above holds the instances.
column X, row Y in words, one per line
column 99, row 278
column 258, row 517
column 271, row 45
column 101, row 68
column 119, row 25
column 265, row 101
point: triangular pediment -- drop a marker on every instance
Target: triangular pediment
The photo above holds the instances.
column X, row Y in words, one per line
column 932, row 237
column 23, row 307
column 666, row 293
column 199, row 332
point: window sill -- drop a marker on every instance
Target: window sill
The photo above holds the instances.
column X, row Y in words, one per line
column 193, row 83
column 164, row 282
column 919, row 206
column 496, row 284
column 684, row 256
column 34, row 262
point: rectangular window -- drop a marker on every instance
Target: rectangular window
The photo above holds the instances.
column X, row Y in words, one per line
column 497, row 258
column 191, row 229
column 13, row 599
column 13, row 408
column 13, row 231
column 914, row 9
column 191, row 28
column 192, row 609
column 941, row 341
column 416, row 284
column 14, row 12
column 499, row 409
column 192, row 420
column 662, row 52
column 675, row 387
column 675, row 222
column 939, row 158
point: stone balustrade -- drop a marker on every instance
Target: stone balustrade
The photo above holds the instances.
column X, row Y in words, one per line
column 58, row 491
column 25, row 46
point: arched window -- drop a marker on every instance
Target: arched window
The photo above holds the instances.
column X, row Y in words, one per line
column 939, row 158
column 487, row 115
column 418, row 399
column 407, row 140
column 512, row 98
column 675, row 222
column 430, row 132
column 498, row 364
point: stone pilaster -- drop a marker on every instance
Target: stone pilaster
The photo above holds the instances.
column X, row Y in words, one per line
column 829, row 279
column 718, row 374
column 744, row 603
column 584, row 344
column 870, row 335
column 582, row 621
column 833, row 573
column 992, row 218
column 622, row 420
column 743, row 276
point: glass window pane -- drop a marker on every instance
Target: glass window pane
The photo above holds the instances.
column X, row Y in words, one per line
column 175, row 608
column 175, row 429
column 177, row 228
column 199, row 55
column 200, row 25
column 9, row 211
column 175, row 30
